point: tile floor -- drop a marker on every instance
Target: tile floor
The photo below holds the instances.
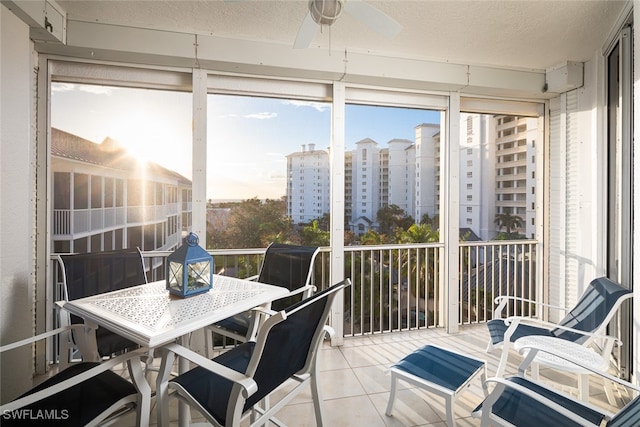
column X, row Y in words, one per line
column 355, row 386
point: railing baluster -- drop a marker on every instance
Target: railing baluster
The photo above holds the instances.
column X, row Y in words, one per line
column 397, row 287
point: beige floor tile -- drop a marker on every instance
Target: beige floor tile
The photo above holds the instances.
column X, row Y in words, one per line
column 355, row 387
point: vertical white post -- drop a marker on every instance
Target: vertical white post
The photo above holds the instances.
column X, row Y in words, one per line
column 199, row 161
column 635, row 166
column 336, row 156
column 449, row 216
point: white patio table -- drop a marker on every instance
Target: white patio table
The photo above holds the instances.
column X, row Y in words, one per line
column 148, row 315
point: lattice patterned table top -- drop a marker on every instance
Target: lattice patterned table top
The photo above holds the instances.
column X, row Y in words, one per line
column 148, row 313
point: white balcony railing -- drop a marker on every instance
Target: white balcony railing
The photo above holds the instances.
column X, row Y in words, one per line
column 67, row 222
column 398, row 287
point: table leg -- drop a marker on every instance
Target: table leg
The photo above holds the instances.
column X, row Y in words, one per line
column 184, row 412
column 583, row 387
column 87, row 343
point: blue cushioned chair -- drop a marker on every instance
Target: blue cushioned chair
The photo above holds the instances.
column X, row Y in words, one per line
column 226, row 388
column 516, row 401
column 288, row 266
column 86, row 393
column 95, row 273
column 584, row 323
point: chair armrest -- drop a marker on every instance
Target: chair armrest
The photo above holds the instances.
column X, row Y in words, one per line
column 252, row 278
column 514, row 321
column 247, row 383
column 502, row 301
column 502, row 383
column 41, row 336
column 264, row 311
column 77, row 379
column 306, row 291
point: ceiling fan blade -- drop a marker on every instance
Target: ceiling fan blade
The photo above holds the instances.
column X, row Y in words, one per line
column 373, row 17
column 306, row 33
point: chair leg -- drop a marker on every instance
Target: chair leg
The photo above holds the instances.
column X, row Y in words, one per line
column 138, row 375
column 392, row 394
column 504, row 358
column 451, row 422
column 318, row 403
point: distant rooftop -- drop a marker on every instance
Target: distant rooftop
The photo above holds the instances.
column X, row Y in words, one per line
column 108, row 154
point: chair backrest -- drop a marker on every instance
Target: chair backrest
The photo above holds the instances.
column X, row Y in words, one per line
column 95, row 273
column 594, row 310
column 288, row 345
column 99, row 272
column 288, row 266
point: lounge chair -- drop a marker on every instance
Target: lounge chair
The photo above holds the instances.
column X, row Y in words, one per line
column 583, row 324
column 517, row 401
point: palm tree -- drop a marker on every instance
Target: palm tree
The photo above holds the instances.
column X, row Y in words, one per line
column 508, row 221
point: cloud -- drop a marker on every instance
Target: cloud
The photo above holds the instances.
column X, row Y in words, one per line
column 318, row 106
column 62, row 87
column 261, row 116
column 71, row 87
column 96, row 90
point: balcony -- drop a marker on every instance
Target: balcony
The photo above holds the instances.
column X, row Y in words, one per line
column 394, row 306
column 355, row 387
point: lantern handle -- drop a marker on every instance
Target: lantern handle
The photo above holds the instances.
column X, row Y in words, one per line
column 192, row 239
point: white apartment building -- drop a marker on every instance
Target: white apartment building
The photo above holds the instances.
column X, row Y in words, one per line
column 365, row 171
column 427, row 171
column 400, row 164
column 104, row 199
column 497, row 175
column 497, row 172
column 308, row 190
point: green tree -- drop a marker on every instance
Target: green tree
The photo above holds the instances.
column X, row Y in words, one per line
column 254, row 224
column 312, row 235
column 418, row 233
column 391, row 217
column 508, row 221
column 372, row 237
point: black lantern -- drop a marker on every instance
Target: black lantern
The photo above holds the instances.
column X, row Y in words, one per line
column 189, row 269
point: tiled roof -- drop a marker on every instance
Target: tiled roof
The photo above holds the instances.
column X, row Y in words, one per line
column 108, row 154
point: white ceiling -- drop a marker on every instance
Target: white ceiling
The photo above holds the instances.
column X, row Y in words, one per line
column 521, row 34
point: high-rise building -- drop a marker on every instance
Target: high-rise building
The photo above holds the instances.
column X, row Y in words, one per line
column 427, row 171
column 497, row 172
column 496, row 176
column 308, row 184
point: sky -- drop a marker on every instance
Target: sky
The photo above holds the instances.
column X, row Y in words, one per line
column 247, row 137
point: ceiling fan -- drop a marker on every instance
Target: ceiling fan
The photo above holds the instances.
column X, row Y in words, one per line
column 326, row 12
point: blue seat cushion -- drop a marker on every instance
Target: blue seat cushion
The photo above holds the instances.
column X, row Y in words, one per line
column 524, row 411
column 629, row 416
column 238, row 323
column 439, row 366
column 77, row 405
